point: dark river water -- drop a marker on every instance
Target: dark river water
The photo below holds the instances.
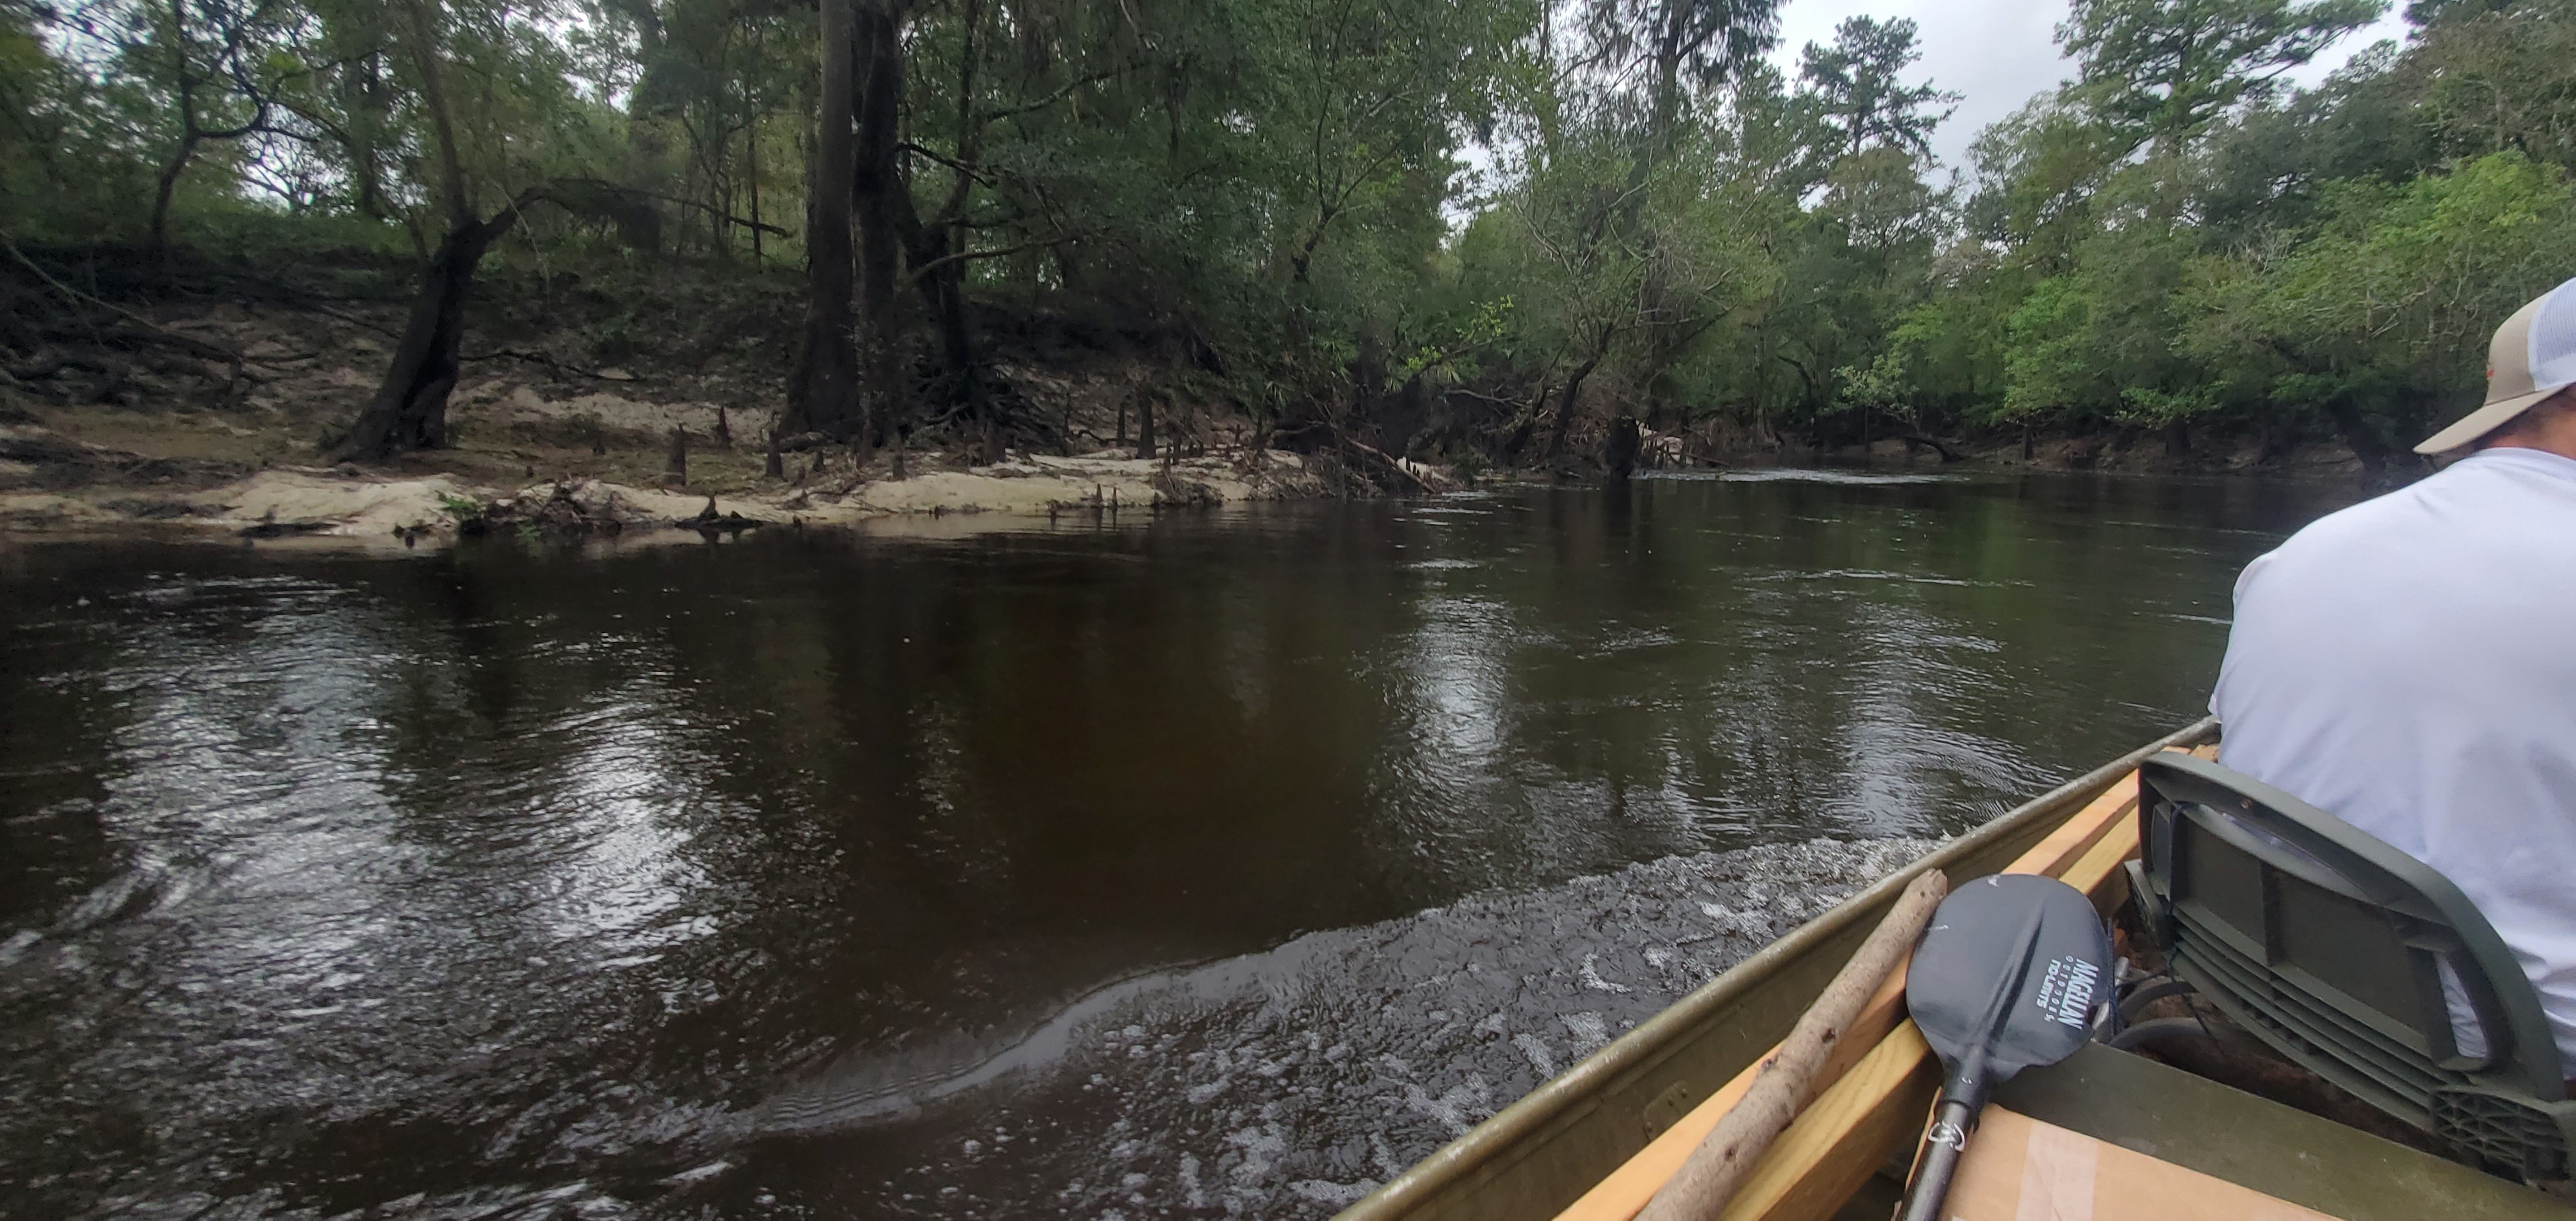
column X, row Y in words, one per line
column 1205, row 865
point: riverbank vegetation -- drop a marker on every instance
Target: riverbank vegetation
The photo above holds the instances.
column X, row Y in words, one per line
column 1568, row 234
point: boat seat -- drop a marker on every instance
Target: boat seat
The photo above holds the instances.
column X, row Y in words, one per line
column 2334, row 947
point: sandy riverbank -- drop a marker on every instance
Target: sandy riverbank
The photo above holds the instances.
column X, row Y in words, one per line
column 54, row 486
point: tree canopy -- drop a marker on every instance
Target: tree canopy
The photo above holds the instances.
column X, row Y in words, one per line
column 1451, row 228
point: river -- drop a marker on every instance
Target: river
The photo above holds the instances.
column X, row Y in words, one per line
column 1209, row 864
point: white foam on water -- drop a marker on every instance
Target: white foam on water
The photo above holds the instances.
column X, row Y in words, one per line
column 1336, row 1195
column 1534, row 1049
column 1458, row 1110
column 1590, row 1031
column 1592, row 976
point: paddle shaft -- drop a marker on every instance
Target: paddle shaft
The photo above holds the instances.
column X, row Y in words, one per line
column 1965, row 1095
column 1714, row 1170
column 1942, row 1145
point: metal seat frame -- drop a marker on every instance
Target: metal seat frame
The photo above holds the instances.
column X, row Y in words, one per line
column 2329, row 944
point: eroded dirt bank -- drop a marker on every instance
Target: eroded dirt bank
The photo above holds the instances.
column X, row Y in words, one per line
column 586, row 417
column 540, row 447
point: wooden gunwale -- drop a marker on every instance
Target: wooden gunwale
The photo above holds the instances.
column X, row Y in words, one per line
column 1540, row 1154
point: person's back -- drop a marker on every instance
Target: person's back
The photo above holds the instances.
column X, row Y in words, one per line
column 2409, row 665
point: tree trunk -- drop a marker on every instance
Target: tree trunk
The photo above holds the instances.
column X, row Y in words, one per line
column 1673, row 41
column 1145, row 426
column 409, row 410
column 822, row 396
column 964, row 373
column 2358, row 434
column 1519, row 438
column 1619, row 453
column 1301, row 262
column 751, row 154
column 1567, row 403
column 942, row 285
column 157, row 240
column 878, row 177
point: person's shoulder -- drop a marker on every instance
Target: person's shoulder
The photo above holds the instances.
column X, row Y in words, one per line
column 2365, row 532
column 2510, row 471
column 2492, row 492
column 2374, row 518
column 2499, row 495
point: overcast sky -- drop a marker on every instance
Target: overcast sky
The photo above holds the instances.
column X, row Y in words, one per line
column 1996, row 52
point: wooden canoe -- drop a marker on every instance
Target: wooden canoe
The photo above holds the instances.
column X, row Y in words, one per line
column 1542, row 1153
column 1596, row 1142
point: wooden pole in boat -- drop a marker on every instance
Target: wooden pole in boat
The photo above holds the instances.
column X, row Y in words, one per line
column 1787, row 1081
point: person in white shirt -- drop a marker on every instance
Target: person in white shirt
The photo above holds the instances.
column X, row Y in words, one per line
column 2409, row 664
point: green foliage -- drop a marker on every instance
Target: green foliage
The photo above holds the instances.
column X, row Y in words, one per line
column 2163, row 70
column 2380, row 320
column 1618, row 263
column 69, row 149
column 1317, row 208
column 2177, row 245
column 2095, row 342
column 2502, row 79
column 1951, row 351
column 1857, row 86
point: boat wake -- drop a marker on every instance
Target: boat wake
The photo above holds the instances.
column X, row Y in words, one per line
column 1292, row 1082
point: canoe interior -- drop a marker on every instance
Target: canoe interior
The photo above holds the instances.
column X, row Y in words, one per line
column 1537, row 1155
column 2289, row 1155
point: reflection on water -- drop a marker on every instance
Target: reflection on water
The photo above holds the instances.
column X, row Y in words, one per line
column 770, row 877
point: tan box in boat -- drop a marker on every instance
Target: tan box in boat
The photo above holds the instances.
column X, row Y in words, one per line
column 2019, row 1169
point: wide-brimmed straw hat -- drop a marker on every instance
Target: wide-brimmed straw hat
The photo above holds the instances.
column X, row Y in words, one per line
column 2532, row 356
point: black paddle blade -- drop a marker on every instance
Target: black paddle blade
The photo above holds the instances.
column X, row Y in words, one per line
column 2037, row 937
